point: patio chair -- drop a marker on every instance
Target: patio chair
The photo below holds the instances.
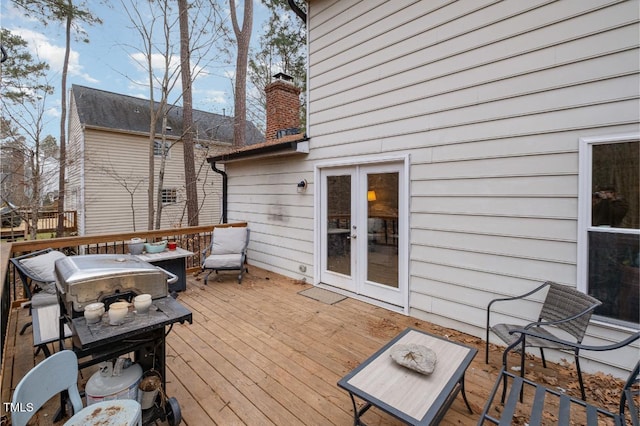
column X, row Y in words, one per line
column 564, row 309
column 228, row 251
column 37, row 273
column 59, row 373
column 545, row 398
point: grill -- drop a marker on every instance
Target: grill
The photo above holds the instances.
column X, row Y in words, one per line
column 82, row 280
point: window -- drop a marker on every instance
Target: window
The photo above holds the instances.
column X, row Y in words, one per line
column 157, row 148
column 609, row 240
column 169, row 196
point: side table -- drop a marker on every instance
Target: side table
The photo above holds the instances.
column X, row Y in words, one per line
column 414, row 398
column 174, row 261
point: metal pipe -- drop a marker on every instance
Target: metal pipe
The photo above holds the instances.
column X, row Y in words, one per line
column 224, row 190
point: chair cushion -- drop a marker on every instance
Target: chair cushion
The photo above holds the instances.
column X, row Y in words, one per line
column 229, row 240
column 43, row 299
column 42, row 266
column 221, row 261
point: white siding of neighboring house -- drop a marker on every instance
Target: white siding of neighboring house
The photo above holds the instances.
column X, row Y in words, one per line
column 109, row 167
column 73, row 172
column 489, row 99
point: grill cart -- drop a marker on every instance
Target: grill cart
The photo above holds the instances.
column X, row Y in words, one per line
column 82, row 280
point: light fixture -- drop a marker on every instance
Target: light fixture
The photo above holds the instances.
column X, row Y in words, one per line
column 371, row 195
column 302, row 185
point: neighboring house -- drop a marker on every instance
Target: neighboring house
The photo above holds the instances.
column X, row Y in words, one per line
column 454, row 149
column 16, row 176
column 13, row 176
column 107, row 162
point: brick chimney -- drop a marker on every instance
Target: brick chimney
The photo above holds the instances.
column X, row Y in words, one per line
column 283, row 107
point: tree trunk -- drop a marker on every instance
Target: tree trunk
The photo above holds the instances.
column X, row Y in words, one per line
column 243, row 37
column 187, row 117
column 63, row 119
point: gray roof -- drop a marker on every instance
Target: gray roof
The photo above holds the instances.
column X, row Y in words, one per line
column 128, row 113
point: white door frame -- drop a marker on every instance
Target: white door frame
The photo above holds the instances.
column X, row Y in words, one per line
column 403, row 225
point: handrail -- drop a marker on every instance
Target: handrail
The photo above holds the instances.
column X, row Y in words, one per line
column 5, row 296
column 64, row 242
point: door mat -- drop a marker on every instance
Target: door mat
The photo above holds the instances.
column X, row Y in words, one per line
column 322, row 295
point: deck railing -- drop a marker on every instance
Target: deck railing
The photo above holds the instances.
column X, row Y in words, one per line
column 194, row 239
column 47, row 223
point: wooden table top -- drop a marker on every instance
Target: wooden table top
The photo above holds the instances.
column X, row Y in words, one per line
column 403, row 392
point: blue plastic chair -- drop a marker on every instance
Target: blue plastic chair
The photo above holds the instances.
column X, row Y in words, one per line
column 56, row 374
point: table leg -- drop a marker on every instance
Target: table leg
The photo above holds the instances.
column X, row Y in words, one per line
column 357, row 413
column 464, row 395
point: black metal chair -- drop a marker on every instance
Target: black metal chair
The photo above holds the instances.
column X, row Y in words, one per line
column 227, row 252
column 544, row 398
column 36, row 271
column 564, row 308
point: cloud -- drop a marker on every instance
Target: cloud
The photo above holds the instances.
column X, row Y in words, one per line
column 41, row 47
column 213, row 97
column 140, row 60
column 53, row 112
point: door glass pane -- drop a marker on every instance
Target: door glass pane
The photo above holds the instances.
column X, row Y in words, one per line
column 382, row 228
column 339, row 224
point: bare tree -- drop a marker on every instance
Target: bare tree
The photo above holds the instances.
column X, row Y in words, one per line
column 281, row 47
column 187, row 116
column 202, row 35
column 145, row 23
column 72, row 15
column 25, row 90
column 243, row 38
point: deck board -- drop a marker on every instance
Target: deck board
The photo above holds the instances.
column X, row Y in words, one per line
column 259, row 354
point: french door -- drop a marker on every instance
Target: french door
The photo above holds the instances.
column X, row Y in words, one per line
column 362, row 230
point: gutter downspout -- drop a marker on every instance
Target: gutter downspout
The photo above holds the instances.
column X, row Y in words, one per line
column 297, row 10
column 224, row 190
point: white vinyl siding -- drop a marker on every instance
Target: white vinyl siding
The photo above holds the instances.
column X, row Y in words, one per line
column 74, row 167
column 489, row 99
column 280, row 217
column 116, row 165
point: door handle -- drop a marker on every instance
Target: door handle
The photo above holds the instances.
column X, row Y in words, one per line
column 353, row 237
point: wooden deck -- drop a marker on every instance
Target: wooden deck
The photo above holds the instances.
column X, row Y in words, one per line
column 260, row 353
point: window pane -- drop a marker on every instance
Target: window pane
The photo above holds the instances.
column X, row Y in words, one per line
column 614, row 274
column 339, row 224
column 615, row 185
column 169, row 196
column 157, row 148
column 382, row 228
column 614, row 256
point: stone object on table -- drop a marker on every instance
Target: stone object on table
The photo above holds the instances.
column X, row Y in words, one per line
column 416, row 357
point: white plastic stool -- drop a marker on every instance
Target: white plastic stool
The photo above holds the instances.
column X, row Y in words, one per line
column 114, row 412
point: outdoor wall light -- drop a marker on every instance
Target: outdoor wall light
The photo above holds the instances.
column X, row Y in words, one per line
column 302, row 185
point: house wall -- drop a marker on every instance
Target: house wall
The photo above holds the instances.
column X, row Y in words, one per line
column 489, row 99
column 264, row 194
column 74, row 167
column 114, row 169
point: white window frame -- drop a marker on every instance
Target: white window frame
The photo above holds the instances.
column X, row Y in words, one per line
column 585, row 152
column 164, row 196
column 158, row 144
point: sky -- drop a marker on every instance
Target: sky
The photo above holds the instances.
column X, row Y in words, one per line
column 110, row 61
